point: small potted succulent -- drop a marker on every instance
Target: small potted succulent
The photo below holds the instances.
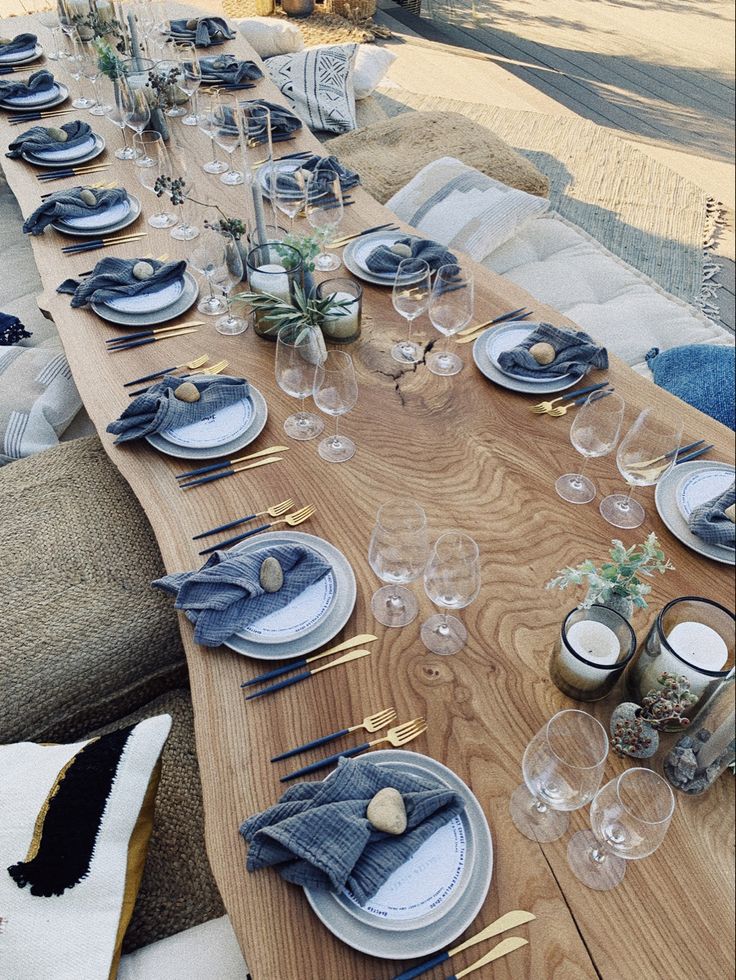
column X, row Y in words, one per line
column 635, row 728
column 617, row 583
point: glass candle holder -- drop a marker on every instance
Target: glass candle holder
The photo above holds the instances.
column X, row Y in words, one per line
column 592, row 650
column 345, row 328
column 274, row 269
column 692, row 638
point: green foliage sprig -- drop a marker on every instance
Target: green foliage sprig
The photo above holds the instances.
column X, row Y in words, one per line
column 308, row 310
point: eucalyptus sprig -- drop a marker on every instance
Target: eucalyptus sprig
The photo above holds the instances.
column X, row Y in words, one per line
column 309, row 310
column 107, row 61
column 307, row 245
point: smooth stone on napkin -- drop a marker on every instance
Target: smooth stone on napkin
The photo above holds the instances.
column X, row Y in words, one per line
column 38, row 139
column 318, row 834
column 226, row 595
column 65, row 205
column 209, row 30
column 711, row 523
column 20, row 45
column 114, row 278
column 228, row 69
column 384, row 260
column 283, row 122
column 575, row 353
column 39, row 82
column 322, row 166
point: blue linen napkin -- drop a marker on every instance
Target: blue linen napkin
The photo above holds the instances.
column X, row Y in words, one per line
column 38, row 82
column 710, row 523
column 114, row 277
column 11, row 330
column 575, row 353
column 38, row 139
column 319, row 165
column 283, row 122
column 20, row 44
column 68, row 204
column 384, row 261
column 158, row 409
column 209, row 30
column 225, row 594
column 318, row 835
column 226, row 68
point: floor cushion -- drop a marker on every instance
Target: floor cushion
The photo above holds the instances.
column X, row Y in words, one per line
column 178, row 890
column 388, row 154
column 83, row 636
column 270, row 36
column 702, row 376
column 371, row 64
column 206, row 952
column 318, row 84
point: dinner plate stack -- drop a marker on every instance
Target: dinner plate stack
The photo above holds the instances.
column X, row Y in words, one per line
column 149, row 309
column 21, row 57
column 685, row 487
column 47, row 99
column 355, row 254
column 106, row 222
column 54, row 159
column 495, row 341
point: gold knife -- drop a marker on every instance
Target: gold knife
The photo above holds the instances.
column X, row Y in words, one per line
column 503, row 949
column 356, row 641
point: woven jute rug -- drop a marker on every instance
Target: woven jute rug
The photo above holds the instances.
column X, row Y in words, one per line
column 642, row 211
column 326, row 25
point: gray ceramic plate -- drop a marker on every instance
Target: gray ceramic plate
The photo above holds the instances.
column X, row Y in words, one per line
column 503, row 338
column 665, row 498
column 376, row 939
column 131, row 216
column 143, row 320
column 29, row 59
column 377, row 238
column 330, row 626
column 486, row 366
column 61, row 96
column 226, row 449
column 37, row 161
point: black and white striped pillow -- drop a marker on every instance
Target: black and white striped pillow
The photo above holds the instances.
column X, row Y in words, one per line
column 318, row 83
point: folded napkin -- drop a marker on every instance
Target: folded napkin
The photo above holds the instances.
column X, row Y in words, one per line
column 21, row 44
column 575, row 353
column 320, row 165
column 41, row 139
column 64, row 205
column 225, row 594
column 710, row 523
column 11, row 330
column 283, row 122
column 114, row 278
column 204, row 31
column 383, row 260
column 39, row 82
column 318, row 834
column 226, row 68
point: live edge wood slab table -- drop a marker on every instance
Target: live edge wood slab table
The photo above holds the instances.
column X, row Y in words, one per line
column 476, row 458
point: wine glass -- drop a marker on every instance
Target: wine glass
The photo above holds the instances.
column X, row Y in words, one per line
column 50, row 20
column 630, row 817
column 207, row 122
column 226, row 132
column 594, row 432
column 91, row 71
column 450, row 309
column 563, row 767
column 297, row 351
column 208, row 258
column 73, row 62
column 411, row 292
column 152, row 162
column 452, row 581
column 136, row 73
column 255, row 143
column 184, row 231
column 335, row 392
column 647, row 452
column 397, row 553
column 190, row 79
column 171, row 74
column 288, row 191
column 120, row 111
column 324, row 209
column 227, row 277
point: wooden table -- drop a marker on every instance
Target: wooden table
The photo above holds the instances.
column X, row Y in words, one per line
column 475, row 457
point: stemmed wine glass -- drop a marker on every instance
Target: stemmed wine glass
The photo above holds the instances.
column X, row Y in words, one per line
column 288, row 191
column 450, row 309
column 630, row 817
column 50, row 20
column 173, row 96
column 594, row 432
column 563, row 767
column 136, row 74
column 335, row 392
column 324, row 210
column 226, row 132
column 152, row 162
column 120, row 112
column 73, row 62
column 184, row 231
column 208, row 258
column 397, row 553
column 451, row 581
column 91, row 71
column 228, row 276
column 411, row 292
column 647, row 452
column 207, row 122
column 190, row 79
column 297, row 352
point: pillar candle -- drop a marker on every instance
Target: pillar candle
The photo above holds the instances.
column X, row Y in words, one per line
column 597, row 644
column 699, row 645
column 263, row 280
column 346, row 324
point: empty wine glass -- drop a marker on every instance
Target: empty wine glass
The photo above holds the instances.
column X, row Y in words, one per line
column 563, row 767
column 152, row 162
column 184, row 231
column 208, row 258
column 335, row 392
column 647, row 452
column 450, row 309
column 170, row 73
column 297, row 352
column 230, row 274
column 136, row 73
column 50, row 20
column 324, row 209
column 411, row 292
column 119, row 113
column 190, row 79
column 630, row 817
column 288, row 190
column 73, row 60
column 207, row 122
column 452, row 581
column 226, row 132
column 594, row 432
column 397, row 553
column 91, row 71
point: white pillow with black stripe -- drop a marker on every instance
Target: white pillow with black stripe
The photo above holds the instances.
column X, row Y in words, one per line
column 318, row 84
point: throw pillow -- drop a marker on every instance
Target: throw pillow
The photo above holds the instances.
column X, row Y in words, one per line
column 38, row 400
column 371, row 64
column 463, row 208
column 318, row 84
column 74, row 827
column 702, row 375
column 269, row 36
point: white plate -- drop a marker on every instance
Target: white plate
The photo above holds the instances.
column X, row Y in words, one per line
column 502, row 339
column 698, row 488
column 47, row 99
column 220, row 427
column 486, row 367
column 151, row 319
column 22, row 59
column 130, row 210
column 148, row 302
column 665, row 498
column 97, row 147
column 364, row 246
column 281, row 166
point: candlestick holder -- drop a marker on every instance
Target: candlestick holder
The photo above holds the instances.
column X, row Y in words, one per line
column 591, row 652
column 692, row 638
column 346, row 328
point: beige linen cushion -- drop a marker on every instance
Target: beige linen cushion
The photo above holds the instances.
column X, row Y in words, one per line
column 318, row 84
column 388, row 154
column 206, row 952
column 269, row 36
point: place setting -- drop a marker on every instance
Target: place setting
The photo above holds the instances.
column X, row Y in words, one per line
column 55, row 148
column 21, row 50
column 228, row 72
column 85, row 212
column 696, row 501
column 385, row 257
column 40, row 91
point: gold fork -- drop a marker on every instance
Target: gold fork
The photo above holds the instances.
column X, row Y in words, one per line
column 276, row 511
column 373, row 723
column 216, row 368
column 293, row 520
column 397, row 737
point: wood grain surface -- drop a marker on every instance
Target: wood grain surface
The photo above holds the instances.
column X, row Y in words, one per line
column 475, row 458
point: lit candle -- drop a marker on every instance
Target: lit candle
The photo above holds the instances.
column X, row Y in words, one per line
column 347, row 323
column 266, row 280
column 597, row 644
